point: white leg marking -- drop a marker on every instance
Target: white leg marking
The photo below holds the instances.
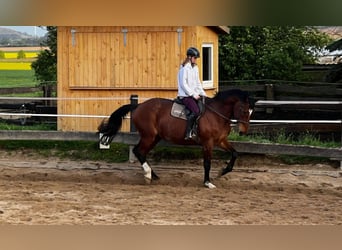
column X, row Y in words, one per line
column 209, row 185
column 147, row 170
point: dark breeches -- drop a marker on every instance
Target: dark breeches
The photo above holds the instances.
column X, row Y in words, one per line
column 191, row 104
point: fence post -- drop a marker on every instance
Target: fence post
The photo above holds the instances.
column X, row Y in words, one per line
column 134, row 101
column 47, row 92
column 132, row 158
column 269, row 96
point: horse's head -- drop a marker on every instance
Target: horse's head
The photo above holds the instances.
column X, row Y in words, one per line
column 239, row 106
column 242, row 112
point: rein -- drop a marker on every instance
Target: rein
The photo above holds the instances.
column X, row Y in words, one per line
column 223, row 116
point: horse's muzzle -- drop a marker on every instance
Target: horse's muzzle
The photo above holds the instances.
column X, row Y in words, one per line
column 243, row 128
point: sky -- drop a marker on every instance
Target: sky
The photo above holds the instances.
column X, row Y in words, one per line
column 31, row 30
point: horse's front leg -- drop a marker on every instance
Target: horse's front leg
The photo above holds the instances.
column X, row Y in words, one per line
column 229, row 167
column 207, row 155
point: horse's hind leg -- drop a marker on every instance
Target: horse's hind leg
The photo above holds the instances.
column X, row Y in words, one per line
column 140, row 151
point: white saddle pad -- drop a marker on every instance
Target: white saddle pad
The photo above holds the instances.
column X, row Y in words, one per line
column 178, row 110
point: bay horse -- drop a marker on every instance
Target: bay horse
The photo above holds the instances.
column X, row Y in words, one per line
column 153, row 121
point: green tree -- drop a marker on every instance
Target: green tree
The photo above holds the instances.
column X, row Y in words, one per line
column 268, row 52
column 21, row 54
column 45, row 66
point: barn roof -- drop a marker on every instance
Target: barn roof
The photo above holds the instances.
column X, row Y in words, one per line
column 220, row 29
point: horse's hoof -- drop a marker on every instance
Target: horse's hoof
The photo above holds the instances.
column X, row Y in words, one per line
column 209, row 185
column 220, row 173
column 154, row 176
column 148, row 181
column 225, row 171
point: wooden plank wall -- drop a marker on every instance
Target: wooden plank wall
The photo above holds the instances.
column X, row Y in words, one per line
column 148, row 58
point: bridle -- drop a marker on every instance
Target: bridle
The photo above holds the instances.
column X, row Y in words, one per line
column 225, row 117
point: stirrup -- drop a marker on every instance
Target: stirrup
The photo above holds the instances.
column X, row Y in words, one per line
column 190, row 135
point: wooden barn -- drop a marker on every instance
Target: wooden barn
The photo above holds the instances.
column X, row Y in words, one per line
column 99, row 68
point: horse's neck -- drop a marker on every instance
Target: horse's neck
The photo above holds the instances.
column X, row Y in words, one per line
column 222, row 106
column 225, row 109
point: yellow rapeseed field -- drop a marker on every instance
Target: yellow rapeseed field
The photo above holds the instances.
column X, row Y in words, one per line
column 15, row 65
column 10, row 62
column 13, row 55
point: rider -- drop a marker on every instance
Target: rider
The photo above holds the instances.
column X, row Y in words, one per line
column 190, row 88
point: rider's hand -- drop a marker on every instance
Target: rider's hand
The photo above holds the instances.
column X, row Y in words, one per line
column 196, row 97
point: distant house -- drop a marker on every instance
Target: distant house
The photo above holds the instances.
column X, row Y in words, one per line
column 99, row 68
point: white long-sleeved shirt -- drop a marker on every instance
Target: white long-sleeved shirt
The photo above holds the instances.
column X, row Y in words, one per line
column 189, row 83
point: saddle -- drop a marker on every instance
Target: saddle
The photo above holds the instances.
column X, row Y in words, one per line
column 179, row 110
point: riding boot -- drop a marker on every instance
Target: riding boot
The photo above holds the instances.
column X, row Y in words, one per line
column 191, row 118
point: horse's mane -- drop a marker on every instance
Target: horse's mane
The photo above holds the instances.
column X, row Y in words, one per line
column 223, row 95
column 242, row 95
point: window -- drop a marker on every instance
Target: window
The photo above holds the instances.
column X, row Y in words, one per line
column 207, row 65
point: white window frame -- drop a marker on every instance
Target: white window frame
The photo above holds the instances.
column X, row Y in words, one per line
column 209, row 83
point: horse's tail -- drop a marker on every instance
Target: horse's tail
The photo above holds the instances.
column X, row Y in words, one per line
column 110, row 127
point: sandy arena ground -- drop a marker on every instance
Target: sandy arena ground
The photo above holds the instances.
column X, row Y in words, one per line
column 39, row 191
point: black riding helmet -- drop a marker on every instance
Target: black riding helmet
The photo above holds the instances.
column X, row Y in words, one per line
column 192, row 51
